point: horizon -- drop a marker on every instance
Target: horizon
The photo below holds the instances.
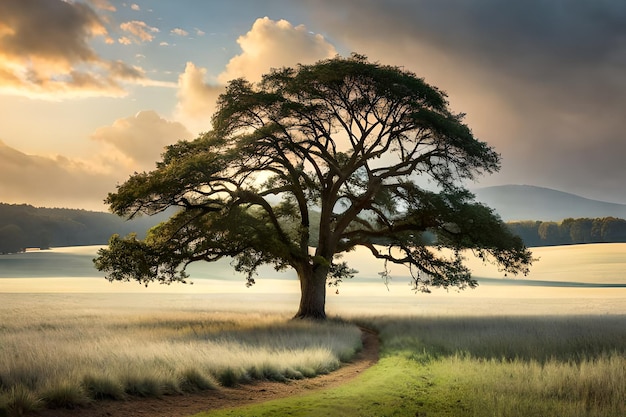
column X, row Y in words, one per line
column 105, row 85
column 471, row 189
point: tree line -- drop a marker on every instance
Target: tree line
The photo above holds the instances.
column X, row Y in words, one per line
column 24, row 226
column 570, row 231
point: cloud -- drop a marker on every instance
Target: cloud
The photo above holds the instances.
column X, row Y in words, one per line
column 60, row 38
column 45, row 51
column 196, row 97
column 52, row 181
column 274, row 44
column 135, row 7
column 268, row 44
column 140, row 140
column 543, row 82
column 128, row 145
column 103, row 5
column 140, row 31
column 179, row 32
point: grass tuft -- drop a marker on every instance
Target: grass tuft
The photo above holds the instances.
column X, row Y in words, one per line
column 19, row 401
column 228, row 377
column 102, row 387
column 192, row 380
column 143, row 386
column 65, row 395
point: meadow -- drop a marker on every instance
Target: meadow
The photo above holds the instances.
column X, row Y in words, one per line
column 553, row 344
column 479, row 366
column 58, row 351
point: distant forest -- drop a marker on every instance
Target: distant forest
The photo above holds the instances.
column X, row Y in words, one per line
column 571, row 231
column 23, row 226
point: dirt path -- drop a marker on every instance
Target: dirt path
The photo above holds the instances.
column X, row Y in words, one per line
column 189, row 404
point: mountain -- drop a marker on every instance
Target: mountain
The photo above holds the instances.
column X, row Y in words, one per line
column 527, row 202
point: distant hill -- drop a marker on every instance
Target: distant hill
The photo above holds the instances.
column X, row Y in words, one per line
column 24, row 226
column 526, row 202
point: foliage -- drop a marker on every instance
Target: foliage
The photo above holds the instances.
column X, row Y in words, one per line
column 345, row 137
column 571, row 231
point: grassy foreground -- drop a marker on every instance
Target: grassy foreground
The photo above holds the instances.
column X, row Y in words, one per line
column 64, row 350
column 57, row 351
column 480, row 366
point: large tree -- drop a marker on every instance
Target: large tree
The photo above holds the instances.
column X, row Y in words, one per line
column 310, row 163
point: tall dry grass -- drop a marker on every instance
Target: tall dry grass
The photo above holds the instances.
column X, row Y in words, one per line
column 58, row 351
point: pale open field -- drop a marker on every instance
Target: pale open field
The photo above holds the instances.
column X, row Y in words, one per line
column 69, row 336
column 579, row 279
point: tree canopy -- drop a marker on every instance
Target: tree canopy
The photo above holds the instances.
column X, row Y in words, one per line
column 308, row 164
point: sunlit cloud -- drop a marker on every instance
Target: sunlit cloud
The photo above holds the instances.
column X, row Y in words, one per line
column 135, row 7
column 128, row 145
column 272, row 44
column 139, row 31
column 196, row 98
column 179, row 32
column 103, row 5
column 53, row 181
column 141, row 139
column 268, row 44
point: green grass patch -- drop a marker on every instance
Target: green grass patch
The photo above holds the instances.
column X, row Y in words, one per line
column 480, row 367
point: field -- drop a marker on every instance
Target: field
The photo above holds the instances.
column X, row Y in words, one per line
column 495, row 366
column 552, row 345
column 90, row 348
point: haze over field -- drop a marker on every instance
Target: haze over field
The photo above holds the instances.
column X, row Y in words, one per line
column 576, row 279
column 101, row 86
column 525, row 202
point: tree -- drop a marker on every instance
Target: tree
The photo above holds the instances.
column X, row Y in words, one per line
column 11, row 239
column 549, row 233
column 580, row 230
column 343, row 141
column 527, row 230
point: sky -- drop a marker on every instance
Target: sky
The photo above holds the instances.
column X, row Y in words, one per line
column 92, row 91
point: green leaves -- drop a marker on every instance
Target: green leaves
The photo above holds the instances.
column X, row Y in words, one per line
column 129, row 259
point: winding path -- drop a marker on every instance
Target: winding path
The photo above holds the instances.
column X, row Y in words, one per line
column 257, row 392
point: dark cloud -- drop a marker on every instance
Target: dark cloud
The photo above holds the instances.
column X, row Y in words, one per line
column 50, row 29
column 544, row 81
column 45, row 51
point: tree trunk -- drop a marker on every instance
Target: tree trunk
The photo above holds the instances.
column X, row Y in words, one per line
column 312, row 293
